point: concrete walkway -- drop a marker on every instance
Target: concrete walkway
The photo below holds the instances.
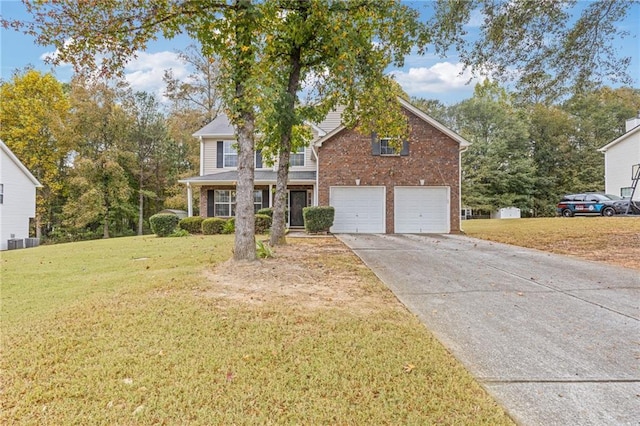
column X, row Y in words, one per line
column 555, row 340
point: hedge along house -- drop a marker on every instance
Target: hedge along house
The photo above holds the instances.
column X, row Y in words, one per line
column 373, row 187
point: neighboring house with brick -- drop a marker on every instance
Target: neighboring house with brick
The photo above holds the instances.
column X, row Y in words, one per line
column 17, row 199
column 373, row 188
column 620, row 156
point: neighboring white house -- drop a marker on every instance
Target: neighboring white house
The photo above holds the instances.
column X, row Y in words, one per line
column 17, row 197
column 620, row 156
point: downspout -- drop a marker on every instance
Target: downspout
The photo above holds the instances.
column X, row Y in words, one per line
column 315, row 187
column 460, row 187
column 201, row 157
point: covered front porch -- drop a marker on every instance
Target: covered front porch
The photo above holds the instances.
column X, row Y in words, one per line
column 218, row 193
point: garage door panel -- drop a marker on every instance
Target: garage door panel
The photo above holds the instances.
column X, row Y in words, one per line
column 358, row 209
column 421, row 210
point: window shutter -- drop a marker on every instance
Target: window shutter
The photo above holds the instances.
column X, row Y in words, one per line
column 265, row 198
column 375, row 144
column 210, row 203
column 405, row 148
column 258, row 159
column 220, row 155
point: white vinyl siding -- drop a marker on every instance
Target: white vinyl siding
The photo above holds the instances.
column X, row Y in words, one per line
column 358, row 209
column 209, row 157
column 421, row 210
column 618, row 162
column 18, row 201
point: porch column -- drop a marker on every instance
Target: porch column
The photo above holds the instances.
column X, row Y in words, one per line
column 189, row 200
column 271, row 196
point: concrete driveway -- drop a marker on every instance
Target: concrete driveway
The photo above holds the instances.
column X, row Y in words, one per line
column 555, row 340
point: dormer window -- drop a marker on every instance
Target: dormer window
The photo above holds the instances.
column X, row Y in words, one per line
column 297, row 158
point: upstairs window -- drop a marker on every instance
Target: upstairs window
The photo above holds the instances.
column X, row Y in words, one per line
column 384, row 147
column 1, row 193
column 297, row 158
column 387, row 148
column 230, row 154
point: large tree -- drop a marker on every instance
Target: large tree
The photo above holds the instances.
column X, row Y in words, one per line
column 548, row 47
column 497, row 168
column 100, row 192
column 34, row 110
column 344, row 47
column 148, row 139
column 116, row 30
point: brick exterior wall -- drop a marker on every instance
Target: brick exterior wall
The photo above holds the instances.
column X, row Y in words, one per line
column 433, row 156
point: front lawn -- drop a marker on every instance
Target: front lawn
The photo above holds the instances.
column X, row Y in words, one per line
column 614, row 240
column 147, row 330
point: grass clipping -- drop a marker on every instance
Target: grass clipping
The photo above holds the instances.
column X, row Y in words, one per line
column 308, row 337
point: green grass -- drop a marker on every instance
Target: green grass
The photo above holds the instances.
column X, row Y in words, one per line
column 118, row 332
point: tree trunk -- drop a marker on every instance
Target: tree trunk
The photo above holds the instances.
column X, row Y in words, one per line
column 244, row 121
column 280, row 204
column 105, row 227
column 140, row 207
column 278, row 225
column 245, row 244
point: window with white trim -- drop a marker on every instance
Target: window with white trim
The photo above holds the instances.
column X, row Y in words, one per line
column 230, row 154
column 225, row 202
column 1, row 193
column 297, row 158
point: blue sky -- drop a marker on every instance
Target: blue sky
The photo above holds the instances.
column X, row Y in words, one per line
column 424, row 76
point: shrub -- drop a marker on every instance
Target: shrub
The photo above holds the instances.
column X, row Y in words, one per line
column 229, row 226
column 267, row 210
column 318, row 219
column 213, row 225
column 263, row 250
column 179, row 233
column 192, row 224
column 263, row 223
column 163, row 224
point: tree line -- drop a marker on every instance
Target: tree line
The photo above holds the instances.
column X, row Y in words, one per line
column 528, row 154
column 109, row 157
column 267, row 50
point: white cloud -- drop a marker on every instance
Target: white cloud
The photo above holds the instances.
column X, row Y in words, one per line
column 440, row 78
column 145, row 72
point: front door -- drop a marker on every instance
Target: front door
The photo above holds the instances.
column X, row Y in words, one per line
column 297, row 201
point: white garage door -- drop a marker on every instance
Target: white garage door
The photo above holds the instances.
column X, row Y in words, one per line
column 358, row 209
column 421, row 210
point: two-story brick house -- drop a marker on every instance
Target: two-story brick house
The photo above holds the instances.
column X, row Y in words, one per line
column 373, row 187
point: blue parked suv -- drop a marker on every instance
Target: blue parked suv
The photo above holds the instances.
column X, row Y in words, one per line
column 591, row 203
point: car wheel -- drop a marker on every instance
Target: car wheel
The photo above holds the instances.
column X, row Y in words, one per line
column 567, row 213
column 608, row 212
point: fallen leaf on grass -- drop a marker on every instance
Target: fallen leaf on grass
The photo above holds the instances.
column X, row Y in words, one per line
column 408, row 368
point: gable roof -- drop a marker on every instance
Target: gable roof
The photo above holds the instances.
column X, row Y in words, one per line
column 462, row 142
column 619, row 139
column 11, row 155
column 220, row 127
